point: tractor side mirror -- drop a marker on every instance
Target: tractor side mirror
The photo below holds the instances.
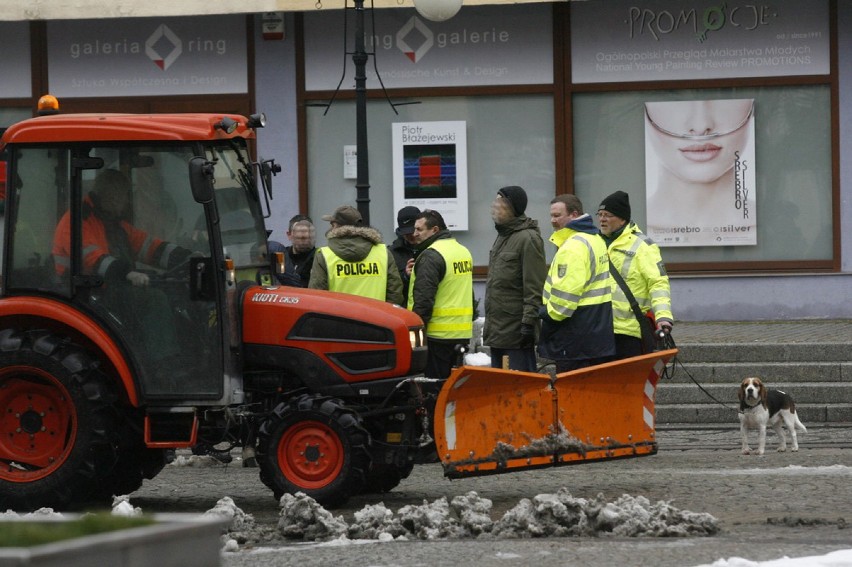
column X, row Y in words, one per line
column 201, row 179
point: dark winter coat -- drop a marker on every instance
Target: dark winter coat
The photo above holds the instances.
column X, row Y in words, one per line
column 516, row 272
column 402, row 253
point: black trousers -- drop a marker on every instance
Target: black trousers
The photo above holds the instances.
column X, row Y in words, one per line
column 627, row 346
column 443, row 356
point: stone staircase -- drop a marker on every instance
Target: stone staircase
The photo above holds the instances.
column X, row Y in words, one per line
column 817, row 374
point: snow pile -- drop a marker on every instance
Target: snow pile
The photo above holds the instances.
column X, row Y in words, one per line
column 121, row 506
column 302, row 517
column 477, row 359
column 40, row 514
column 469, row 516
column 199, row 461
column 242, row 528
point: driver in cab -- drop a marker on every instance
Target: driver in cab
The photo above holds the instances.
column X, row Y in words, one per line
column 111, row 245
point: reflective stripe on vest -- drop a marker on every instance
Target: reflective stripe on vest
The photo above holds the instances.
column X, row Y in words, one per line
column 452, row 314
column 367, row 278
column 561, row 303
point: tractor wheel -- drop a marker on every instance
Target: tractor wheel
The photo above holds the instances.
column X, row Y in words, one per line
column 314, row 445
column 384, row 478
column 57, row 422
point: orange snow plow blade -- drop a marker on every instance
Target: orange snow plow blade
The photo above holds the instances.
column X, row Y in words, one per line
column 490, row 421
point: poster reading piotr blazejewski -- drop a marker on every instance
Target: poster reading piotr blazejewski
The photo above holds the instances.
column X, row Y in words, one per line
column 700, row 172
column 430, row 169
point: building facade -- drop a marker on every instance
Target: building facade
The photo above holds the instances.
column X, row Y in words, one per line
column 587, row 97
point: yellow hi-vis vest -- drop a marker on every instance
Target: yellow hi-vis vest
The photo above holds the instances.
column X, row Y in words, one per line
column 367, row 278
column 578, row 275
column 452, row 314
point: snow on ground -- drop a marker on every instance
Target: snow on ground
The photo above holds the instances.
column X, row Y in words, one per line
column 842, row 558
column 469, row 516
column 789, row 470
column 40, row 514
column 199, row 461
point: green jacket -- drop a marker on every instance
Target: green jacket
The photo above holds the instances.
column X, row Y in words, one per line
column 516, row 272
column 353, row 244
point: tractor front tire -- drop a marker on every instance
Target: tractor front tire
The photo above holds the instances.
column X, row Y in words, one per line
column 57, row 422
column 315, row 445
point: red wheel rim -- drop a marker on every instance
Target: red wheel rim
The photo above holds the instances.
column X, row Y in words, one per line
column 310, row 454
column 38, row 424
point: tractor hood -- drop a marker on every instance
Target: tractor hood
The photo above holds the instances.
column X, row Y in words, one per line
column 360, row 339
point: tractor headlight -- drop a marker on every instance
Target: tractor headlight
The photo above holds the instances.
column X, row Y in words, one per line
column 415, row 335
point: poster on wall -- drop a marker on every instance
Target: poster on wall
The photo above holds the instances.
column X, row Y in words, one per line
column 700, row 172
column 430, row 169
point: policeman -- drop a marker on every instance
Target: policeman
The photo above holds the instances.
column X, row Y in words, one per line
column 576, row 313
column 637, row 259
column 441, row 292
column 356, row 260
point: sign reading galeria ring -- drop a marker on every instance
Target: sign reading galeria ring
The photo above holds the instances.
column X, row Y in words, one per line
column 148, row 56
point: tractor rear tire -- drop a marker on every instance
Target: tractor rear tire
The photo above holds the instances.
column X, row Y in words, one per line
column 58, row 424
column 315, row 445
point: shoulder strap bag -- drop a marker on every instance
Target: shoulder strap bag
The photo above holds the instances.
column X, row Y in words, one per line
column 649, row 341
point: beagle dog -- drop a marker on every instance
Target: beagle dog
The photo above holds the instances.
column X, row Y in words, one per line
column 759, row 407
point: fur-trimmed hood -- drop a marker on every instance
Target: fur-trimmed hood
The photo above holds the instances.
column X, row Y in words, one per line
column 353, row 243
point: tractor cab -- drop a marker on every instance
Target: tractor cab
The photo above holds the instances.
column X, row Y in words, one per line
column 110, row 227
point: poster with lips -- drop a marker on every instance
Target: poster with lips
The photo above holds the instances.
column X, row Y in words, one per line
column 700, row 172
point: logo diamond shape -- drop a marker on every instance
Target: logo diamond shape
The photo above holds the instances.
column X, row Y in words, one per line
column 167, row 36
column 428, row 39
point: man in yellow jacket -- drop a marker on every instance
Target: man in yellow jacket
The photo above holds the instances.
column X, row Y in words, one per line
column 576, row 314
column 637, row 259
column 356, row 260
column 441, row 292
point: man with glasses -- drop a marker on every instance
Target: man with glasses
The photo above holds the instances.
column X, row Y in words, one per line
column 441, row 292
column 576, row 314
column 356, row 260
column 637, row 258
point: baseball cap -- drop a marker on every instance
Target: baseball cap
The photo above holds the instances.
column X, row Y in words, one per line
column 405, row 219
column 345, row 215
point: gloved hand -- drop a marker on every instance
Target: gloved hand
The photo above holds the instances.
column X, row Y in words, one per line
column 527, row 335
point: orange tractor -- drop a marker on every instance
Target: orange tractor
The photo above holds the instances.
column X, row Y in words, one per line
column 178, row 335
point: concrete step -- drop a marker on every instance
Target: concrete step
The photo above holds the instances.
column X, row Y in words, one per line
column 764, row 352
column 715, row 413
column 803, row 393
column 770, row 372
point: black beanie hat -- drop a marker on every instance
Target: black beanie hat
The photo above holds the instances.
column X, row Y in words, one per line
column 516, row 196
column 618, row 204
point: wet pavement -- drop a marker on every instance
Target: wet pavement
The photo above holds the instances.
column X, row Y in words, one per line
column 768, row 507
column 780, row 504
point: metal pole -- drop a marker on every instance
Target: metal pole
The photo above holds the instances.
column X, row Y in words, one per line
column 359, row 58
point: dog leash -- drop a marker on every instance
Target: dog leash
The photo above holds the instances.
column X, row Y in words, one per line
column 667, row 342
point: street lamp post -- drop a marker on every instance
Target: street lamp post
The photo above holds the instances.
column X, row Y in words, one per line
column 436, row 10
column 359, row 58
